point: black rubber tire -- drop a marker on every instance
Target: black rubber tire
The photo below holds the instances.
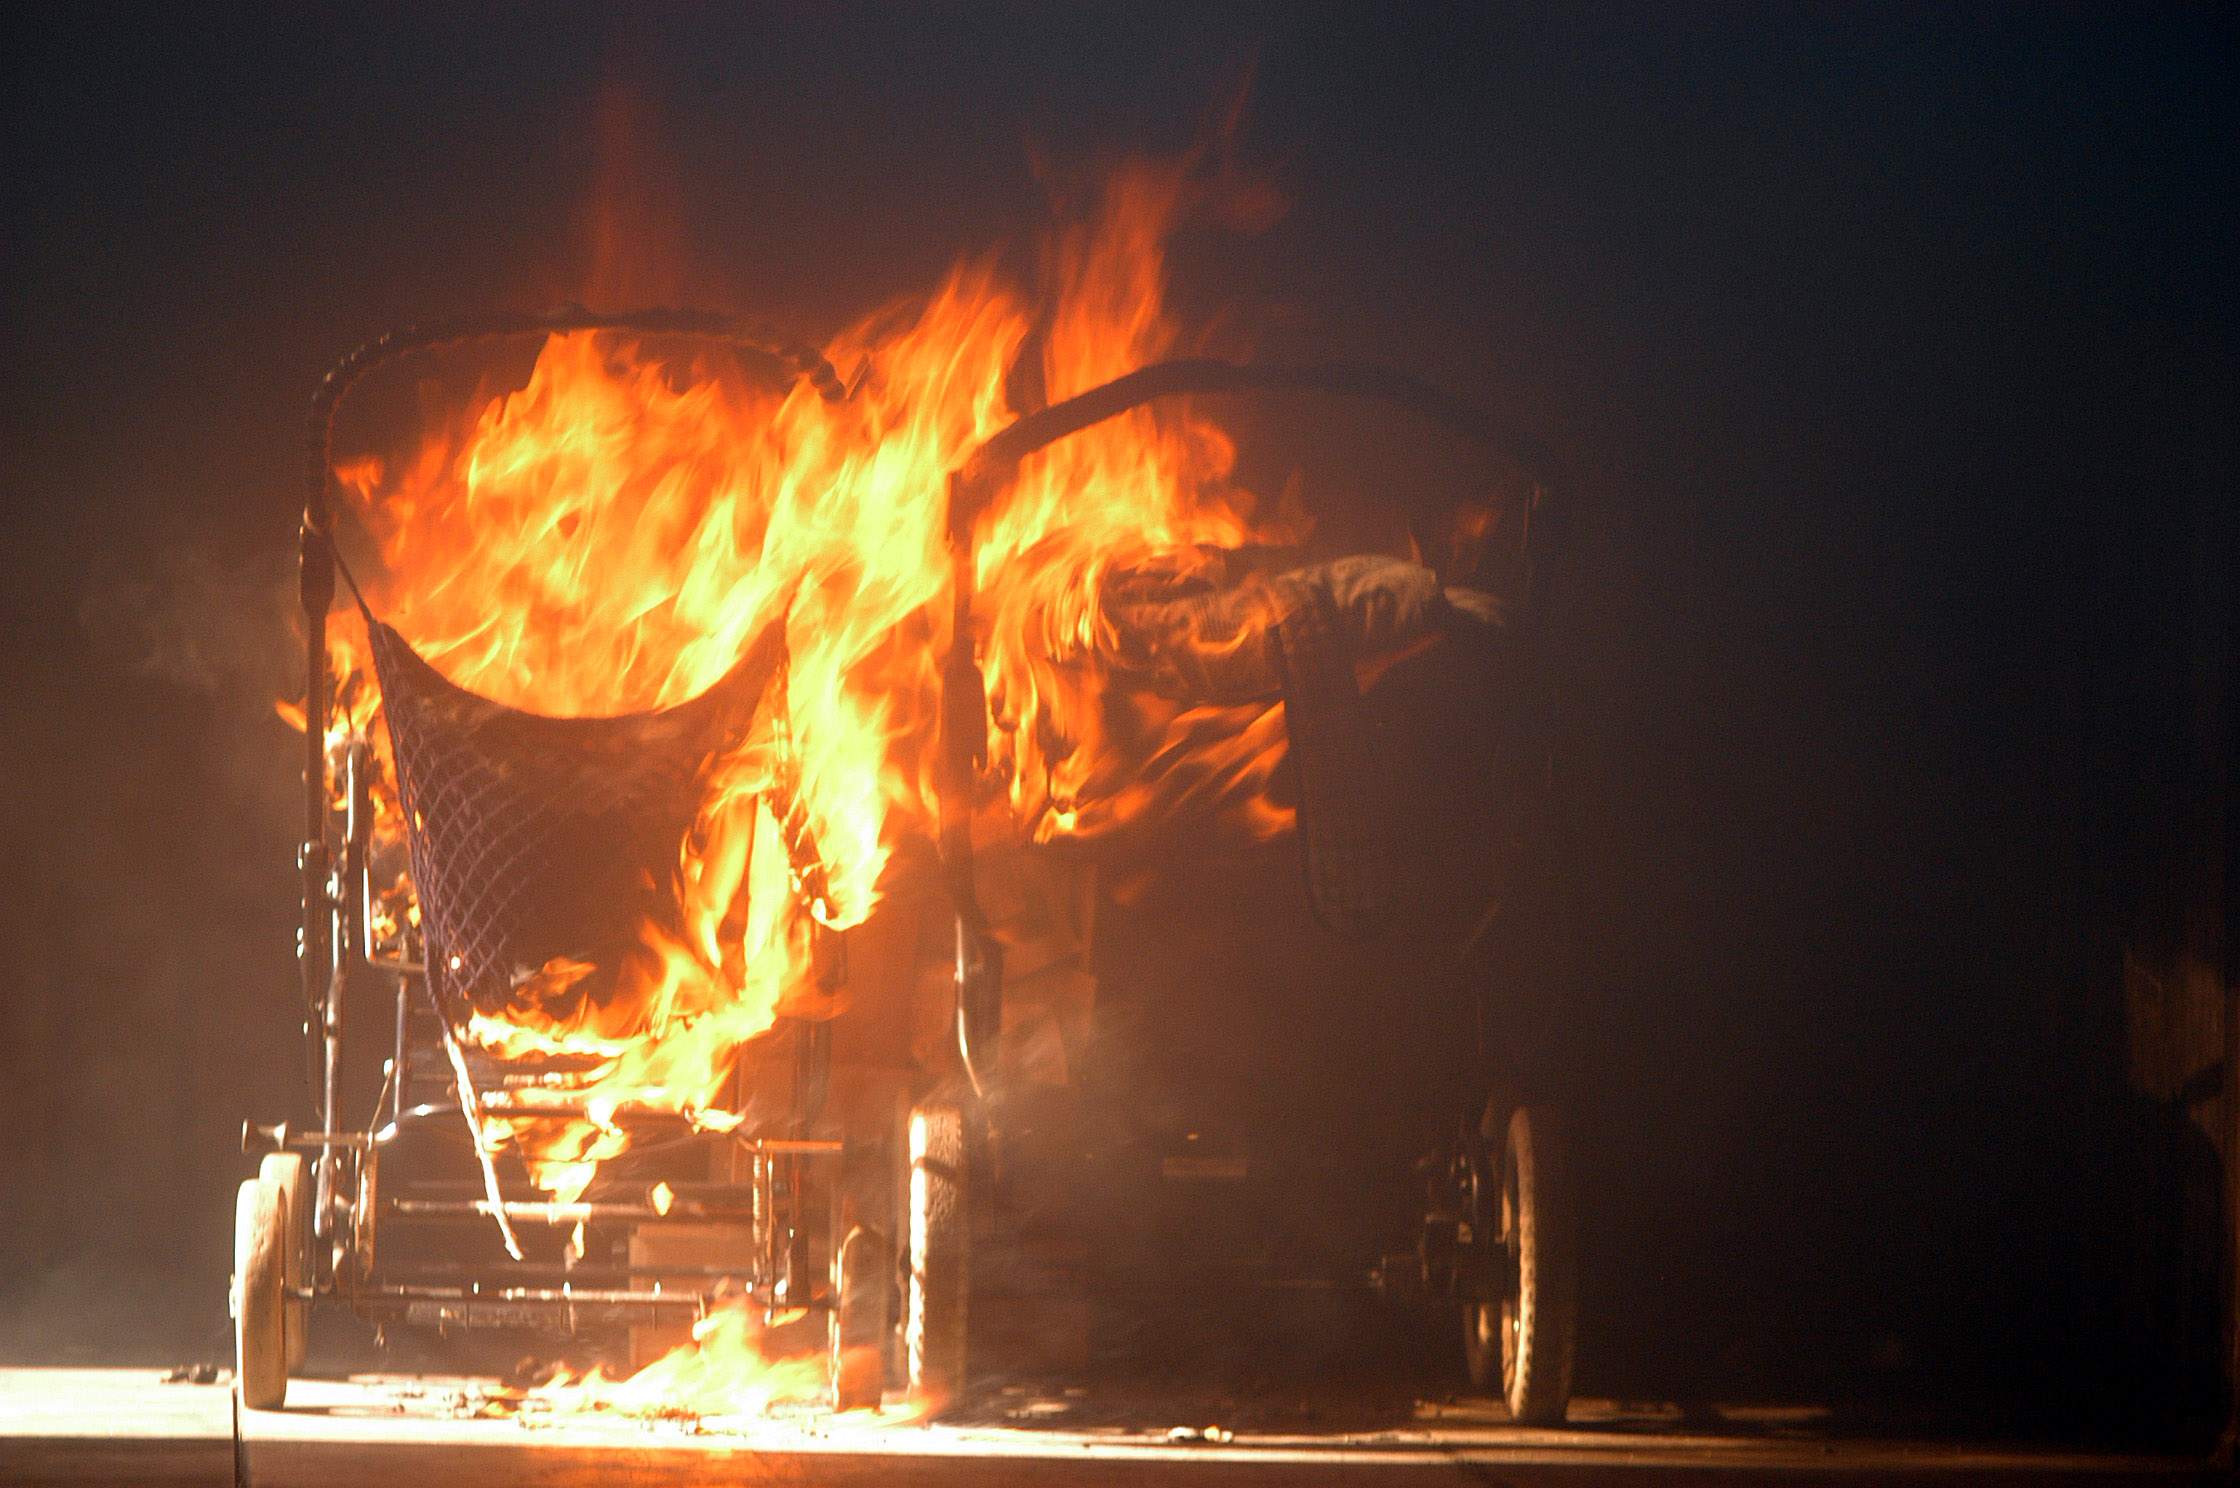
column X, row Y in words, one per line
column 940, row 1255
column 288, row 1172
column 1527, row 1341
column 260, row 1346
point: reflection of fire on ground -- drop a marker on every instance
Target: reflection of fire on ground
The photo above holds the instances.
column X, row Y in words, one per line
column 615, row 534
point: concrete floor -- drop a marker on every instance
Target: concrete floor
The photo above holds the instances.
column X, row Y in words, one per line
column 86, row 1426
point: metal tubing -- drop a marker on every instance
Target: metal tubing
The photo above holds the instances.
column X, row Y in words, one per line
column 545, row 1294
column 341, row 944
column 315, row 591
column 357, row 896
column 526, row 1273
column 330, row 1107
column 991, row 465
column 471, row 1109
column 403, row 1055
column 569, row 1105
column 533, row 1212
column 766, row 1212
column 963, row 747
column 570, row 1309
column 313, row 1141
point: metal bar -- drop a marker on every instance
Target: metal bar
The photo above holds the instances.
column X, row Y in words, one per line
column 341, row 944
column 695, row 1299
column 561, row 1214
column 315, row 591
column 280, row 1138
column 989, row 466
column 528, row 1101
column 624, row 1297
column 577, row 1310
column 574, row 1317
column 521, row 1273
column 401, row 1060
column 356, row 902
column 570, row 1107
column 765, row 1216
column 963, row 750
column 796, row 1273
column 330, row 1106
column 471, row 1110
column 260, row 1139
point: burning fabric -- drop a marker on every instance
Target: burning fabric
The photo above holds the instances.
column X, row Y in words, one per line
column 541, row 845
column 690, row 679
column 662, row 636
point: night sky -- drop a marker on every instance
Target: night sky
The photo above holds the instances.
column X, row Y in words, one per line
column 1890, row 351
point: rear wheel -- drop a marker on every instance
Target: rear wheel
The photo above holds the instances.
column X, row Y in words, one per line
column 288, row 1172
column 1526, row 1338
column 934, row 1334
column 260, row 1347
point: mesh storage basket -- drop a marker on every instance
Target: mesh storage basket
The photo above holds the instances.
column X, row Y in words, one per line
column 534, row 838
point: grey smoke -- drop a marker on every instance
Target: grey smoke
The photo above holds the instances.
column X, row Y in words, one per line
column 223, row 626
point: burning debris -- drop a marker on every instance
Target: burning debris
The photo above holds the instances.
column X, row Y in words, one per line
column 728, row 1369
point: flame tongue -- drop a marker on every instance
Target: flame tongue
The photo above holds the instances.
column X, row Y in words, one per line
column 612, row 537
column 726, row 1370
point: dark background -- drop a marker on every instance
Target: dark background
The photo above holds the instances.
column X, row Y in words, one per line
column 1892, row 352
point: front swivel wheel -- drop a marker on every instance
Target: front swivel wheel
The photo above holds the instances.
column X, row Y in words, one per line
column 1525, row 1339
column 260, row 1342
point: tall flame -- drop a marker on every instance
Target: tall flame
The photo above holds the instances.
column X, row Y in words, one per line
column 611, row 536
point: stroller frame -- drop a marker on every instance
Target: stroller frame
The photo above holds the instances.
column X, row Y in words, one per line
column 332, row 1207
column 308, row 1228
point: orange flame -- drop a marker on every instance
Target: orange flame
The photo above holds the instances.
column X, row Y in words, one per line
column 611, row 536
column 724, row 1371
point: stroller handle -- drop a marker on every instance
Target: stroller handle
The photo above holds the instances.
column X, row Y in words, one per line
column 321, row 967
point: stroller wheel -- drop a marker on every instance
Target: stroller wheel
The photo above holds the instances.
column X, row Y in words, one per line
column 939, row 1261
column 1528, row 1334
column 287, row 1172
column 260, row 1346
